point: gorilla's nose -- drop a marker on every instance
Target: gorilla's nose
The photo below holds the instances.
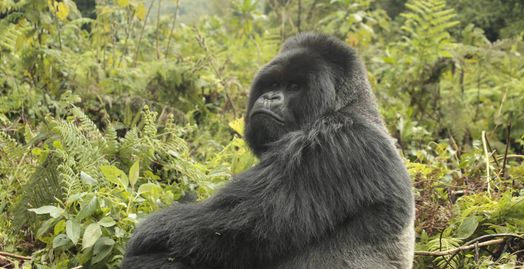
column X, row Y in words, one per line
column 273, row 96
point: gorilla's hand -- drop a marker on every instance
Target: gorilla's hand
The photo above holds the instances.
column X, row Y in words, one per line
column 151, row 235
column 149, row 247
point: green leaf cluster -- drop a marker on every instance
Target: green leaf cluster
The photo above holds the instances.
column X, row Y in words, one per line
column 110, row 110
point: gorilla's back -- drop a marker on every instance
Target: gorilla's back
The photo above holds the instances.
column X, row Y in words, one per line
column 393, row 253
column 346, row 249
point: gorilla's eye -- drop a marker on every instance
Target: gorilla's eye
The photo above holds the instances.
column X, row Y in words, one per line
column 293, row 87
column 274, row 85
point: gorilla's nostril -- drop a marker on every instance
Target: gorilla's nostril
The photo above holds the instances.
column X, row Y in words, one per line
column 273, row 96
column 267, row 104
column 277, row 96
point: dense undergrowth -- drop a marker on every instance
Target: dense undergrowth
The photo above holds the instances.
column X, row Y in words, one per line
column 109, row 115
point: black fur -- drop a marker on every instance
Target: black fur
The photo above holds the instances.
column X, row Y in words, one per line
column 330, row 190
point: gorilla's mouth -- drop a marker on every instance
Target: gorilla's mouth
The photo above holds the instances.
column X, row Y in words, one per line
column 271, row 114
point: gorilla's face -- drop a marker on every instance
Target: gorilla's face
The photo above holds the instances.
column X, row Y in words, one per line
column 293, row 90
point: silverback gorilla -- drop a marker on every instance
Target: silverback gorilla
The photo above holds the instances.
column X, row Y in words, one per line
column 330, row 190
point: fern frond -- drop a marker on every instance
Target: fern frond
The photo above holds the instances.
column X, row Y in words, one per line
column 7, row 6
column 87, row 126
column 130, row 145
column 429, row 19
column 11, row 152
column 70, row 180
column 112, row 145
column 149, row 120
column 43, row 187
column 11, row 33
column 443, row 244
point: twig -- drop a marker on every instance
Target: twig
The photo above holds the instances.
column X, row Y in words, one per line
column 489, row 236
column 310, row 12
column 476, row 243
column 216, row 70
column 486, row 156
column 477, row 108
column 508, row 130
column 172, row 27
column 57, row 24
column 511, row 156
column 461, row 248
column 114, row 38
column 129, row 24
column 158, row 29
column 469, row 245
column 11, row 255
column 299, row 14
column 492, row 151
column 142, row 32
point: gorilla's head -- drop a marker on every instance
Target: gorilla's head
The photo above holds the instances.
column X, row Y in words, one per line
column 313, row 75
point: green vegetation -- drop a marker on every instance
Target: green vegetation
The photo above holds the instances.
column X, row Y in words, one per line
column 110, row 115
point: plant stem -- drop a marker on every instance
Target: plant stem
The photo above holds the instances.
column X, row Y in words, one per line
column 172, row 28
column 142, row 32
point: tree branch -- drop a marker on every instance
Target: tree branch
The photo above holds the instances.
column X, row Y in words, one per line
column 11, row 255
column 461, row 248
column 471, row 244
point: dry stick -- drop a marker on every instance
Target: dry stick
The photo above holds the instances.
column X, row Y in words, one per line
column 172, row 27
column 488, row 236
column 492, row 151
column 474, row 243
column 511, row 156
column 504, row 174
column 113, row 43
column 461, row 248
column 57, row 24
column 310, row 12
column 11, row 255
column 477, row 109
column 142, row 32
column 202, row 43
column 486, row 156
column 158, row 29
column 440, row 247
column 130, row 14
column 299, row 14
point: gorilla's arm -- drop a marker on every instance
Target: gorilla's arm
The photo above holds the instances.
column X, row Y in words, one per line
column 309, row 182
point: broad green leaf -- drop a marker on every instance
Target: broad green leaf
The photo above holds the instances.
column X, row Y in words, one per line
column 134, row 173
column 114, row 175
column 59, row 227
column 46, row 225
column 87, row 179
column 102, row 249
column 91, row 235
column 87, row 209
column 149, row 189
column 73, row 230
column 75, row 197
column 467, row 228
column 107, row 222
column 60, row 241
column 53, row 211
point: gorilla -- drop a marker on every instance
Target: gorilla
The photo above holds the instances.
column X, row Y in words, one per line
column 330, row 189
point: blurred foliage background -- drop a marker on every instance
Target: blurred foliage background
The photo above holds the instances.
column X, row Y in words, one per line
column 110, row 110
